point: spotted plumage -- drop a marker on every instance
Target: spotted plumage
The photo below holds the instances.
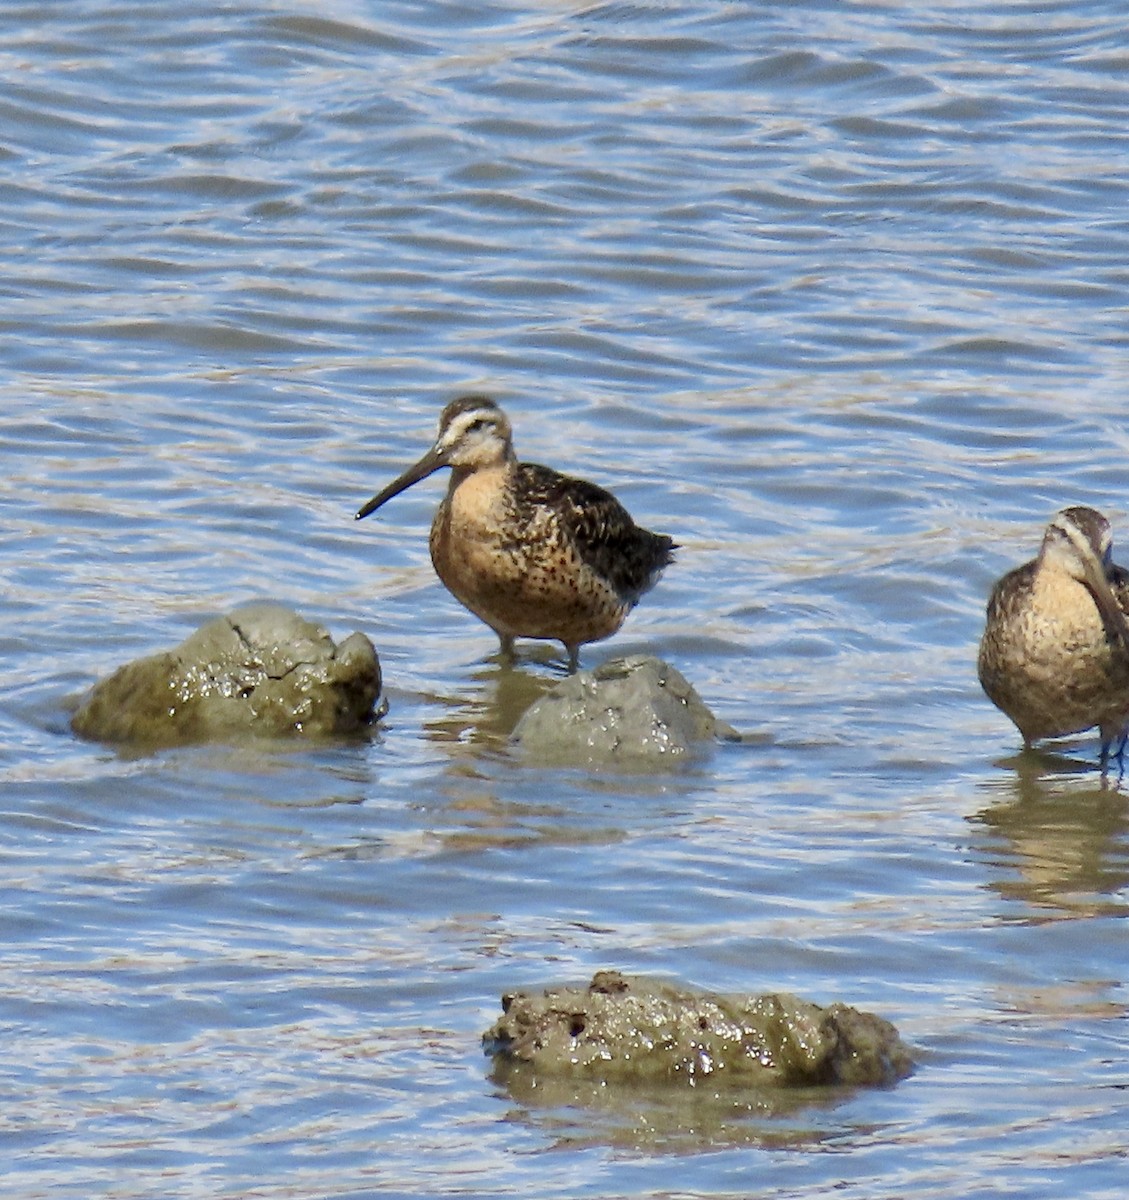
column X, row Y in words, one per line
column 1055, row 652
column 531, row 552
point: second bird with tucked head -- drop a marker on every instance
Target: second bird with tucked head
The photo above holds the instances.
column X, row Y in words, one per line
column 1055, row 650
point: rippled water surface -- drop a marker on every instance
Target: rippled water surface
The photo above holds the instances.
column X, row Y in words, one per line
column 835, row 294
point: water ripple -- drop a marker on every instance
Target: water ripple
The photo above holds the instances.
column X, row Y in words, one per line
column 833, row 294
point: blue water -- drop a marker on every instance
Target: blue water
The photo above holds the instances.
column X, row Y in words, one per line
column 833, row 293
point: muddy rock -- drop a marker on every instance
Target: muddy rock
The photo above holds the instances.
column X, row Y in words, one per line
column 629, row 1030
column 636, row 711
column 261, row 671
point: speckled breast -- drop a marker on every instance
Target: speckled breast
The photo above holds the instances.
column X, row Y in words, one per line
column 1046, row 659
column 514, row 567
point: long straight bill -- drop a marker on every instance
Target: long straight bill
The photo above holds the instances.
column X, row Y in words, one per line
column 430, row 463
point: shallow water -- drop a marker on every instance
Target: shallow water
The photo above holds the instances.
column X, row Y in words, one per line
column 835, row 294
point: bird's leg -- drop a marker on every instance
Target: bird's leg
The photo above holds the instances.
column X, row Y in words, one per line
column 1113, row 746
column 573, row 657
column 1118, row 741
column 1114, row 739
column 506, row 652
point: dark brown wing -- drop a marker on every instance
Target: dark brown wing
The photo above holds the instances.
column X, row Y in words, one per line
column 995, row 661
column 608, row 541
column 1010, row 593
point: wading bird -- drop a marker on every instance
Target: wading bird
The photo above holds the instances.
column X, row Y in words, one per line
column 1055, row 652
column 531, row 552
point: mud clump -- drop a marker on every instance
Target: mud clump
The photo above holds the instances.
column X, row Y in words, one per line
column 630, row 1030
column 638, row 712
column 261, row 671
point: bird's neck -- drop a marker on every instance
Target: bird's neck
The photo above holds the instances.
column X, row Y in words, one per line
column 495, row 469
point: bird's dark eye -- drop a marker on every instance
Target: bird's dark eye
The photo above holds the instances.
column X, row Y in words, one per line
column 477, row 425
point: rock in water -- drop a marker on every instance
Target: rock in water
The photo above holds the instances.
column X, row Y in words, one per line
column 637, row 711
column 261, row 671
column 628, row 1030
